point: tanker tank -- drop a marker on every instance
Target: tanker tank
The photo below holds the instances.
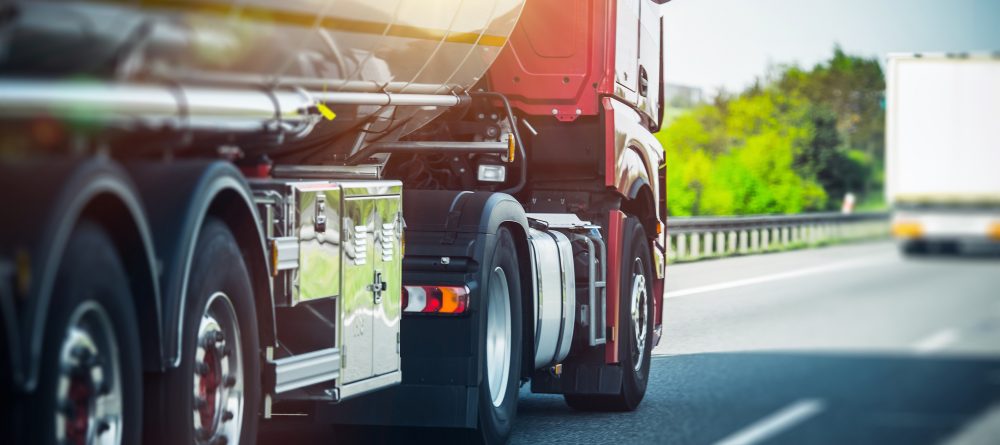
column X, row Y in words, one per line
column 296, row 51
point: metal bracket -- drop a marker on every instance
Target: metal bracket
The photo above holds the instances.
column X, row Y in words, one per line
column 377, row 287
column 320, row 225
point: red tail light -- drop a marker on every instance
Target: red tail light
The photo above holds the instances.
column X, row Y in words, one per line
column 435, row 299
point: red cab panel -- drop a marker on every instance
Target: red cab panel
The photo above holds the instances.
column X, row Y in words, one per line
column 559, row 59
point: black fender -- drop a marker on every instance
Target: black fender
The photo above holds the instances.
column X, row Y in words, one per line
column 179, row 196
column 476, row 215
column 48, row 197
column 460, row 211
column 440, row 354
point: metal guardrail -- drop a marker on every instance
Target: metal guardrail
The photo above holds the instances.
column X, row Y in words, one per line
column 692, row 238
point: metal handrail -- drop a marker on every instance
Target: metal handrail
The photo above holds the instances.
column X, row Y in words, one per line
column 692, row 238
column 697, row 224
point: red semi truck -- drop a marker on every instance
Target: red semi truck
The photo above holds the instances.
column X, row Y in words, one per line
column 222, row 213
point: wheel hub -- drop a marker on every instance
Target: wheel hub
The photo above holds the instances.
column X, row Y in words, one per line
column 89, row 392
column 639, row 313
column 218, row 375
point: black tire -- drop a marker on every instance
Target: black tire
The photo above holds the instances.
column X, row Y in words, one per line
column 219, row 280
column 495, row 422
column 91, row 298
column 634, row 359
column 913, row 248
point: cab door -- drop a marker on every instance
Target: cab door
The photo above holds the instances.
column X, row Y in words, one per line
column 627, row 49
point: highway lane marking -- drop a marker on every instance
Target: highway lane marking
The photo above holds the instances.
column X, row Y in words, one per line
column 936, row 341
column 774, row 424
column 769, row 278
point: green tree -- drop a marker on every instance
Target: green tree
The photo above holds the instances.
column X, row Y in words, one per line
column 788, row 144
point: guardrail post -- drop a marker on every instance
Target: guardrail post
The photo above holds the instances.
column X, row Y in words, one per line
column 731, row 248
column 695, row 246
column 682, row 247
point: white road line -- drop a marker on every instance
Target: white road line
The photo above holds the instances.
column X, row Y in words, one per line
column 767, row 278
column 774, row 424
column 936, row 341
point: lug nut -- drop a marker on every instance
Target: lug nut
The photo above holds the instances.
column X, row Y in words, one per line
column 229, row 381
column 227, row 416
column 202, row 433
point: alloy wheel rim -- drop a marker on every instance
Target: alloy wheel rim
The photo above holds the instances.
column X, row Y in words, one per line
column 498, row 336
column 89, row 394
column 218, row 375
column 639, row 313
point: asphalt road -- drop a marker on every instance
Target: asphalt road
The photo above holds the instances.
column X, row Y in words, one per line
column 840, row 345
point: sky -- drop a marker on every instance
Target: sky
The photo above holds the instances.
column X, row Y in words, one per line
column 728, row 43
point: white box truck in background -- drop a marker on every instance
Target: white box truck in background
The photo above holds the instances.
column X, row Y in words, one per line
column 943, row 151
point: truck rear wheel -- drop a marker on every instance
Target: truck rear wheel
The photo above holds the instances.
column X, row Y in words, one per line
column 501, row 348
column 635, row 322
column 212, row 398
column 90, row 389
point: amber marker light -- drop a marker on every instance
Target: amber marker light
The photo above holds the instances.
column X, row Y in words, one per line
column 511, row 147
column 993, row 231
column 907, row 229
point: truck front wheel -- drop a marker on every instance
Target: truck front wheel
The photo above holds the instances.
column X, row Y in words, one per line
column 635, row 325
column 501, row 347
column 213, row 396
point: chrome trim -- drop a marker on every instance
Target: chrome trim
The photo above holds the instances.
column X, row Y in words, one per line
column 306, row 369
column 368, row 385
column 187, row 107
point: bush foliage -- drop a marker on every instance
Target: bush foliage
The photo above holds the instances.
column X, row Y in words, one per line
column 796, row 141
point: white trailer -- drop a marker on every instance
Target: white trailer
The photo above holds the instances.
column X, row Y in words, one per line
column 943, row 150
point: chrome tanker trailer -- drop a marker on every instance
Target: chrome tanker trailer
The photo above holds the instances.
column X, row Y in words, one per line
column 223, row 214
